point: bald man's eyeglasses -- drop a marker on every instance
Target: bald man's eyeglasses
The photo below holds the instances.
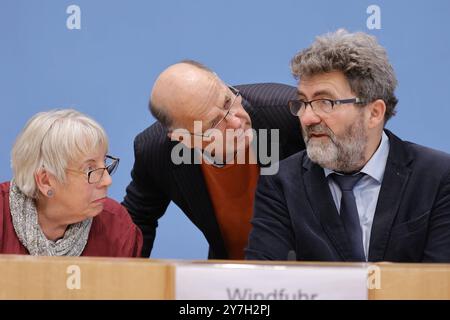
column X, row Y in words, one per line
column 227, row 108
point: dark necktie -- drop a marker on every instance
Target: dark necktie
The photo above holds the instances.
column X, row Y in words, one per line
column 349, row 214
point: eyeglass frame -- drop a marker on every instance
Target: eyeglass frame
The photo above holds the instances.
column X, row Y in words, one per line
column 237, row 94
column 114, row 164
column 355, row 100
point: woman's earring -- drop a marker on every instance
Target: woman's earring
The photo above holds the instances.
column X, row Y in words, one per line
column 50, row 193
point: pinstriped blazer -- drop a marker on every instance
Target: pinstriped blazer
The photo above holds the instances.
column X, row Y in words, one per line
column 156, row 180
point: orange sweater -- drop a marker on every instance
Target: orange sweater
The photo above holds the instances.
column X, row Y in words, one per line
column 232, row 192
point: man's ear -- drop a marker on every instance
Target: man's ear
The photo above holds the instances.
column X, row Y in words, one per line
column 377, row 110
column 44, row 181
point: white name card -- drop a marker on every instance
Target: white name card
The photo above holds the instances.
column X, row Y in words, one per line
column 262, row 282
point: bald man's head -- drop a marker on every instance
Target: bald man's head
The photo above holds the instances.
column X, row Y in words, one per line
column 191, row 97
column 181, row 92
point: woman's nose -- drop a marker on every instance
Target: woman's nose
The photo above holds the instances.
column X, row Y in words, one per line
column 106, row 180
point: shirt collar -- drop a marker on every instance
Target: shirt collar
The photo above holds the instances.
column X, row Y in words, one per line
column 377, row 164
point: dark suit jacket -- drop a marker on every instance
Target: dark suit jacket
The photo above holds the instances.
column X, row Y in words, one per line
column 295, row 212
column 156, row 180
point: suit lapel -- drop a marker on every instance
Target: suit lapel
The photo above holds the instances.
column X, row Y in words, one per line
column 395, row 179
column 321, row 200
column 192, row 186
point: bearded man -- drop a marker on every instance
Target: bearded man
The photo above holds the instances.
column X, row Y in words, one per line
column 358, row 192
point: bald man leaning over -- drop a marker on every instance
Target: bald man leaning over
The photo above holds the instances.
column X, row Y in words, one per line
column 206, row 151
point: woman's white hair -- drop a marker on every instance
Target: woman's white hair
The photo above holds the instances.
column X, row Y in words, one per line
column 50, row 141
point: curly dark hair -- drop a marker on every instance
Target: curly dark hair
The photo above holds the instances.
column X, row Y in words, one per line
column 362, row 60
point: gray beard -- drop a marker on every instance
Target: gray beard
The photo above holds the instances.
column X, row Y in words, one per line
column 344, row 154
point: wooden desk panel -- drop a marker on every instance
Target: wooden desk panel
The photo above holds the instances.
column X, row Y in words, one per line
column 26, row 277
column 413, row 281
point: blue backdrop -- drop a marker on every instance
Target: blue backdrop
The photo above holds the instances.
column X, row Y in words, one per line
column 107, row 66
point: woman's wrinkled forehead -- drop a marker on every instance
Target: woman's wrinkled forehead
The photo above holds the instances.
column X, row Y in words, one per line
column 93, row 156
column 87, row 148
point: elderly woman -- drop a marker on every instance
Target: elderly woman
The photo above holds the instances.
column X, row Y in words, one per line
column 56, row 203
